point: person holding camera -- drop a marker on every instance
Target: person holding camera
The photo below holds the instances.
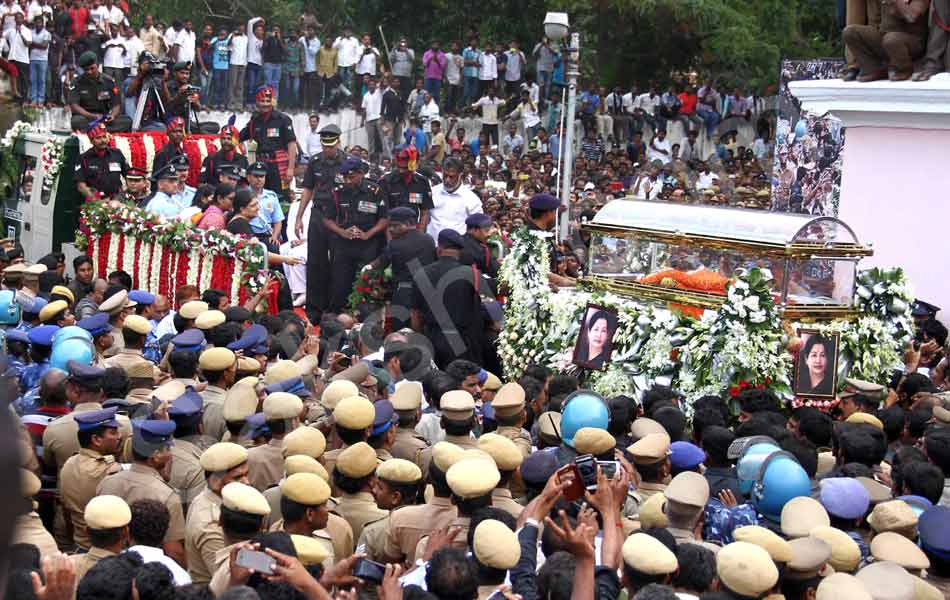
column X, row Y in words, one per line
column 184, row 98
column 150, row 80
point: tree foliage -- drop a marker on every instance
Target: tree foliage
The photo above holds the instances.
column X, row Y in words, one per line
column 623, row 41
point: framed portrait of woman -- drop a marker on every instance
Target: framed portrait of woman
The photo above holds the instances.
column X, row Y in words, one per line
column 816, row 368
column 595, row 340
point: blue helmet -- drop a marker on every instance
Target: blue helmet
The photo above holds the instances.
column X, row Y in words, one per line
column 750, row 463
column 71, row 332
column 583, row 408
column 781, row 479
column 77, row 349
column 9, row 308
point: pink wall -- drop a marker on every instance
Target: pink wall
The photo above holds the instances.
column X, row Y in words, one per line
column 894, row 196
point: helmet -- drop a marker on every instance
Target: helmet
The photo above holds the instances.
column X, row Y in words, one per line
column 747, row 469
column 77, row 349
column 781, row 479
column 583, row 408
column 9, row 308
column 68, row 333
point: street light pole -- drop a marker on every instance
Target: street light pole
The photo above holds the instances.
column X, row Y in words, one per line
column 571, row 72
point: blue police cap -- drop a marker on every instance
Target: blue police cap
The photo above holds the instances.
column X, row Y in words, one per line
column 385, row 416
column 544, row 202
column 449, row 238
column 18, row 335
column 293, row 385
column 258, row 168
column 933, row 528
column 192, row 340
column 187, row 405
column 351, row 164
column 482, row 376
column 478, row 220
column 96, row 325
column 78, row 370
column 253, row 336
column 237, row 314
column 685, row 456
column 256, row 425
column 488, row 411
column 142, row 297
column 152, row 432
column 402, row 214
column 43, row 335
column 538, row 467
column 36, row 306
column 93, row 419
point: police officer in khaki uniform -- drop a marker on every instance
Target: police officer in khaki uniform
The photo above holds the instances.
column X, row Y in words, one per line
column 311, row 551
column 188, row 478
column 303, row 505
column 397, row 485
column 410, row 524
column 222, row 463
column 652, row 461
column 99, row 439
column 115, row 306
column 745, row 569
column 28, row 527
column 59, row 437
column 490, row 387
column 151, row 452
column 141, row 374
column 353, row 417
column 135, row 329
column 383, row 435
column 807, row 565
column 353, row 475
column 507, row 459
column 686, row 497
column 496, row 549
column 509, row 403
column 458, row 417
column 265, row 464
column 240, row 503
column 240, row 402
column 218, row 365
column 647, row 557
column 407, row 402
column 108, row 518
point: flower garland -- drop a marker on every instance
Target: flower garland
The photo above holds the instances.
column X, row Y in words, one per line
column 370, row 287
column 51, row 157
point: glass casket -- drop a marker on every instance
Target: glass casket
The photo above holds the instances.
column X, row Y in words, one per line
column 686, row 254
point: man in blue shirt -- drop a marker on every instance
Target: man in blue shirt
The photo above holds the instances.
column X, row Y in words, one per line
column 415, row 136
column 471, row 57
column 220, row 62
column 269, row 221
column 162, row 203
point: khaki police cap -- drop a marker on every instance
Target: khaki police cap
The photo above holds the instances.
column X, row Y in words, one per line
column 240, row 402
column 223, row 456
column 305, row 488
column 645, row 426
column 689, row 488
column 251, row 380
column 209, row 319
column 895, row 515
column 550, row 425
column 779, row 549
column 865, row 418
column 281, row 371
column 107, row 512
column 282, row 405
column 243, row 498
column 308, row 441
column 826, row 463
column 310, row 551
column 653, row 512
column 356, row 461
column 398, row 470
column 472, row 478
column 809, row 558
column 35, row 270
column 29, row 483
column 137, row 324
column 896, row 548
column 338, row 390
column 845, row 552
column 492, row 383
column 646, row 554
column 15, row 269
column 503, row 451
column 191, row 310
column 446, row 454
column 509, row 400
column 457, row 405
column 841, row 586
column 142, row 369
column 887, row 581
column 650, row 449
column 878, row 492
column 495, row 545
column 62, row 290
column 354, row 412
column 593, row 440
column 54, row 308
column 169, row 391
column 926, row 591
column 301, row 463
column 801, row 515
column 746, row 569
column 246, row 364
column 863, row 387
column 216, row 359
column 407, row 396
column 114, row 303
column 308, row 364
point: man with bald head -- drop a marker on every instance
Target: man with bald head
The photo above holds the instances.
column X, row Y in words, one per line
column 89, row 305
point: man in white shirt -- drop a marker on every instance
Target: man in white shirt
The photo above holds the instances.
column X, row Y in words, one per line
column 17, row 40
column 310, row 45
column 348, row 54
column 237, row 66
column 113, row 57
column 255, row 61
column 366, row 65
column 706, row 178
column 428, row 111
column 186, row 43
column 114, row 14
column 644, row 108
column 453, row 77
column 646, row 186
column 660, row 148
column 311, row 144
column 34, row 10
column 171, row 39
column 372, row 108
column 99, row 15
column 134, row 47
column 515, row 69
column 452, row 202
column 487, row 68
column 147, row 528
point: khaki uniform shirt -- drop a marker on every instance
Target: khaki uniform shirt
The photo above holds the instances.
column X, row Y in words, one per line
column 409, row 446
column 407, row 525
column 78, row 481
column 373, row 539
column 329, row 461
column 382, row 454
column 465, row 442
column 222, row 570
column 359, row 509
column 635, row 499
column 519, row 436
column 203, row 536
column 125, row 358
column 29, row 529
column 460, row 541
column 485, row 591
column 139, row 396
column 213, row 420
column 320, row 535
column 265, row 464
column 59, row 437
column 141, row 482
column 84, row 562
column 501, row 498
column 188, row 478
column 118, row 342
